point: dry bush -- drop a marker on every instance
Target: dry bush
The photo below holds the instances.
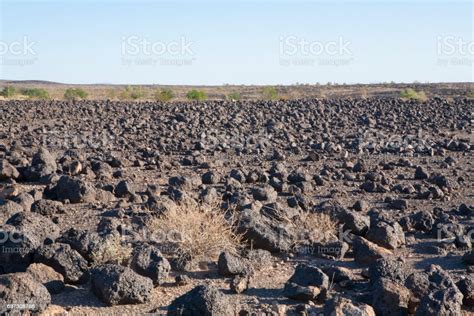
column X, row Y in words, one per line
column 320, row 227
column 196, row 232
column 113, row 251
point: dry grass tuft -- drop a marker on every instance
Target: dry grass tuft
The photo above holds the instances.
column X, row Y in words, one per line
column 113, row 251
column 196, row 232
column 320, row 227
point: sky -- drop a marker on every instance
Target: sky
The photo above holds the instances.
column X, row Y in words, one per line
column 236, row 42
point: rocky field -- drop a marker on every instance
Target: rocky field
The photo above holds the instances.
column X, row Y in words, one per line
column 304, row 207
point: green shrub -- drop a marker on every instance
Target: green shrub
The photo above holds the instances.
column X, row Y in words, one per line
column 196, row 95
column 36, row 93
column 164, row 95
column 234, row 96
column 111, row 94
column 270, row 93
column 8, row 92
column 135, row 92
column 412, row 94
column 75, row 94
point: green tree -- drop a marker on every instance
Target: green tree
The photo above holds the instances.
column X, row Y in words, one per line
column 270, row 93
column 8, row 92
column 234, row 96
column 75, row 94
column 196, row 95
column 36, row 93
column 132, row 92
column 412, row 94
column 164, row 95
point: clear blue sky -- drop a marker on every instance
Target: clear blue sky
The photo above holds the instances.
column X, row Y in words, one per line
column 236, row 42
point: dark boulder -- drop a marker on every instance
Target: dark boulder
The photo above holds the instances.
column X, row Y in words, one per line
column 306, row 283
column 148, row 261
column 115, row 285
column 64, row 260
column 21, row 288
column 203, row 300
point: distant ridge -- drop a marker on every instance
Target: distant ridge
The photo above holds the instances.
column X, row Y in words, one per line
column 28, row 82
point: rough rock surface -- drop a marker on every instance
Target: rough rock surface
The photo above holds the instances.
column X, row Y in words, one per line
column 114, row 284
column 393, row 176
column 17, row 289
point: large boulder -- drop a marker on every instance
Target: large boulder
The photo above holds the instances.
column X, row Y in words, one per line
column 42, row 165
column 390, row 298
column 21, row 292
column 357, row 223
column 366, row 252
column 306, row 283
column 8, row 209
column 466, row 286
column 47, row 208
column 64, row 260
column 94, row 247
column 203, row 300
column 389, row 268
column 388, row 235
column 25, row 200
column 148, row 261
column 442, row 302
column 264, row 232
column 115, row 284
column 435, row 291
column 23, row 233
column 72, row 189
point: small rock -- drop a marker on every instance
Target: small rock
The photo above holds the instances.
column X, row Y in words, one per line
column 229, row 264
column 124, row 189
column 420, row 173
column 360, row 206
column 306, row 283
column 239, row 284
column 182, row 280
column 46, row 275
column 7, row 171
column 266, row 193
column 202, row 300
column 344, row 307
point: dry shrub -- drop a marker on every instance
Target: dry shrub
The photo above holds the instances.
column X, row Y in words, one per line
column 320, row 227
column 196, row 232
column 113, row 251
